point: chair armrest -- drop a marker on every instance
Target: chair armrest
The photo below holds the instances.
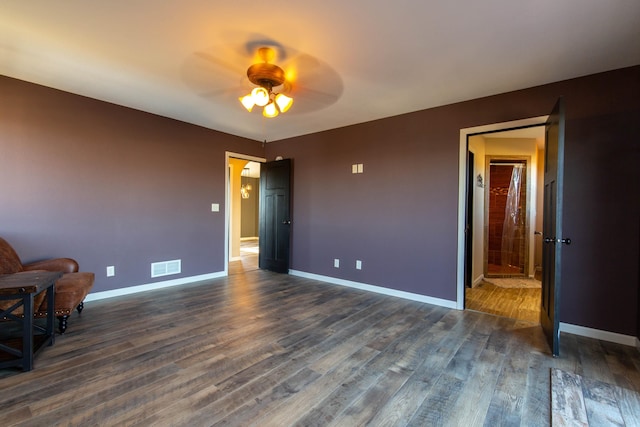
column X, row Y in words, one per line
column 66, row 265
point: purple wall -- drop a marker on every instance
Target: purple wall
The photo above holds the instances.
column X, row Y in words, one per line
column 114, row 186
column 109, row 185
column 400, row 216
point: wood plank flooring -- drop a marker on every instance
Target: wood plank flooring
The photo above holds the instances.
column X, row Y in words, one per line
column 515, row 303
column 259, row 348
column 583, row 401
column 248, row 258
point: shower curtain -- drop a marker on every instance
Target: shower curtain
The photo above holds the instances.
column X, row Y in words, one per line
column 511, row 226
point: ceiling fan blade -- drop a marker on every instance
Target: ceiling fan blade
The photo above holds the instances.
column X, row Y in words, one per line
column 306, row 100
column 212, row 62
column 221, row 72
column 317, row 95
column 312, row 83
column 235, row 91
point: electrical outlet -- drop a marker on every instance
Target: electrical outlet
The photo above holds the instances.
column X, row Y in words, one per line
column 215, row 207
column 358, row 265
column 336, row 263
column 111, row 271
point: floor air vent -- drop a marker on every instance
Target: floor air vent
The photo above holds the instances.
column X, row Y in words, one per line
column 166, row 268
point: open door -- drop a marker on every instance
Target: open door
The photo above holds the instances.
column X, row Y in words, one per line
column 552, row 226
column 275, row 219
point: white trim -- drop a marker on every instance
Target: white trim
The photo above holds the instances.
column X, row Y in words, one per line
column 478, row 280
column 462, row 173
column 227, row 155
column 95, row 296
column 598, row 334
column 376, row 289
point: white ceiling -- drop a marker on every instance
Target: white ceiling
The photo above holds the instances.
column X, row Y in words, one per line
column 354, row 60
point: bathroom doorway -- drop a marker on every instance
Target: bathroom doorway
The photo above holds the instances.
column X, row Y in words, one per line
column 506, row 217
column 501, row 218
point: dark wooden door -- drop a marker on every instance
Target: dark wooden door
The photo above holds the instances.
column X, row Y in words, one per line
column 275, row 218
column 552, row 226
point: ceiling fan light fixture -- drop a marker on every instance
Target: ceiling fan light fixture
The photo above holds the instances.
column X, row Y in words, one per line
column 260, row 96
column 266, row 76
column 270, row 110
column 284, row 102
column 247, row 102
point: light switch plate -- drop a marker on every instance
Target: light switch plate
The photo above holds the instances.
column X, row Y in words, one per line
column 215, row 207
column 358, row 265
column 336, row 263
column 111, row 271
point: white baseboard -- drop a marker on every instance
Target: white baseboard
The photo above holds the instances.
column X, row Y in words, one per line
column 376, row 289
column 599, row 334
column 95, row 296
column 477, row 281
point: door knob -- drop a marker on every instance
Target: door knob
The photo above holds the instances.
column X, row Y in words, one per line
column 549, row 239
column 286, row 222
column 565, row 241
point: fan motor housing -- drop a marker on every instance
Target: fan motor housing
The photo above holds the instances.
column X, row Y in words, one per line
column 259, row 74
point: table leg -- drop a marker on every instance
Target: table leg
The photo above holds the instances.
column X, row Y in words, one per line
column 51, row 297
column 27, row 332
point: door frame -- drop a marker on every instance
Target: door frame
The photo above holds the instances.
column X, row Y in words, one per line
column 468, row 238
column 462, row 188
column 227, row 199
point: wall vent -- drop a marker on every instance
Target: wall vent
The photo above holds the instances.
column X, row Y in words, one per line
column 166, row 268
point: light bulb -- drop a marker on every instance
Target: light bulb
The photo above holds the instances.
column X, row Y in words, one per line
column 260, row 96
column 284, row 102
column 270, row 110
column 247, row 101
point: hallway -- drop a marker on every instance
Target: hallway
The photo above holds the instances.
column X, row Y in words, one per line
column 248, row 257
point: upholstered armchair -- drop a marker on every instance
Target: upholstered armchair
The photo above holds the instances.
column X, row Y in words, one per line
column 70, row 289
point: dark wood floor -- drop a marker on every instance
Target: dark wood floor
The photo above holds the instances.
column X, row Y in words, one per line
column 259, row 348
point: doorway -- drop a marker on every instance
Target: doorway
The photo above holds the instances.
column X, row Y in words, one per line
column 507, row 159
column 506, row 216
column 242, row 212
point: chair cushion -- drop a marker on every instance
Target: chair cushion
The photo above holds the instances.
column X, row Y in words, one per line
column 71, row 289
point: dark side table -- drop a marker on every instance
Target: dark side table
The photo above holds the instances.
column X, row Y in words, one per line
column 22, row 288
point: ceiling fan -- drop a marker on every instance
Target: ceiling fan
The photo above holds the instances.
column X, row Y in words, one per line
column 266, row 76
column 220, row 74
